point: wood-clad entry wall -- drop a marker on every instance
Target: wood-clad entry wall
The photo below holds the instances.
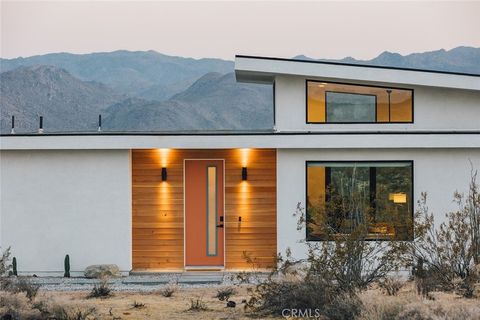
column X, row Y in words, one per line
column 158, row 209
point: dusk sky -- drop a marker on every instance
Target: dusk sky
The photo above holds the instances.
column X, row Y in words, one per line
column 223, row 29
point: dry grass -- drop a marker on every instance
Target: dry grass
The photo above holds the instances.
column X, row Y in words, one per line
column 155, row 306
column 377, row 306
column 409, row 305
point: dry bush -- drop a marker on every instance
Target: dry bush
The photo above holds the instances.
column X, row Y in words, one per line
column 58, row 312
column 391, row 285
column 251, row 276
column 197, row 304
column 17, row 306
column 24, row 285
column 274, row 296
column 408, row 305
column 225, row 294
column 138, row 305
column 440, row 256
column 435, row 311
column 168, row 291
column 5, row 266
column 15, row 284
column 328, row 281
column 350, row 260
column 101, row 290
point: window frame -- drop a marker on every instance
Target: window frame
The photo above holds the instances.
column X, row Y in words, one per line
column 360, row 85
column 412, row 197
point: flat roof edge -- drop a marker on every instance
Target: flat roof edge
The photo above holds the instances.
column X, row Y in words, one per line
column 357, row 65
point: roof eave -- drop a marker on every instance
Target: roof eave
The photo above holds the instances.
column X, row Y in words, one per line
column 265, row 69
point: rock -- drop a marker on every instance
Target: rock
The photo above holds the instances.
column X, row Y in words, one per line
column 98, row 271
column 231, row 304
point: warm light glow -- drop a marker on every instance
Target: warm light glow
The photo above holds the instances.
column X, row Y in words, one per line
column 398, row 197
column 163, row 189
column 163, row 156
column 245, row 153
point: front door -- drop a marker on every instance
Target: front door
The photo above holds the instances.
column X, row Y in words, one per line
column 204, row 210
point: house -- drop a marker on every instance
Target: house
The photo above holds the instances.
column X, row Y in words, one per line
column 349, row 142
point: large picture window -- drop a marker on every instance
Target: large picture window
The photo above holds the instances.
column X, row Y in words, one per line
column 343, row 195
column 345, row 103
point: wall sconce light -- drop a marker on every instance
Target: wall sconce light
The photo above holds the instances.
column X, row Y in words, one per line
column 13, row 125
column 164, row 174
column 40, row 127
column 244, row 173
column 99, row 122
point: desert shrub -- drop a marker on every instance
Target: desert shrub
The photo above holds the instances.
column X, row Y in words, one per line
column 58, row 312
column 390, row 285
column 138, row 305
column 197, row 304
column 250, row 276
column 4, row 263
column 440, row 256
column 434, row 311
column 23, row 285
column 350, row 260
column 5, row 269
column 313, row 295
column 225, row 294
column 333, row 273
column 168, row 291
column 17, row 306
column 101, row 290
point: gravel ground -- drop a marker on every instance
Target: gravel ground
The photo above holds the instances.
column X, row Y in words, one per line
column 146, row 283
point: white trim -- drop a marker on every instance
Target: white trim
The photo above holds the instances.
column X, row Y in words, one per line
column 185, row 267
column 300, row 141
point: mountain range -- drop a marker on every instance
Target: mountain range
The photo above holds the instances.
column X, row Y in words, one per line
column 149, row 91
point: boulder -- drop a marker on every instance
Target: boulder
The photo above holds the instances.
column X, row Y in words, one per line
column 99, row 271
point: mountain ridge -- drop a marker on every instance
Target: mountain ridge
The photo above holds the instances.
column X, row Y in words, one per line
column 150, row 91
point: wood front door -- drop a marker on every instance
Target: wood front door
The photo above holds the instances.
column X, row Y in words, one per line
column 204, row 213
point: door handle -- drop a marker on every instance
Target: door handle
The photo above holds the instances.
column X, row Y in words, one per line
column 221, row 222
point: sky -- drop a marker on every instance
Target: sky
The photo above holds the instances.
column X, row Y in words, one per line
column 224, row 28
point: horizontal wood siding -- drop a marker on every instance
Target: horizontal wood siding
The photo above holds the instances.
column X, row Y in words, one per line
column 158, row 207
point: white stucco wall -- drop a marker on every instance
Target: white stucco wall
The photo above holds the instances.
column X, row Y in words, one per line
column 75, row 202
column 434, row 109
column 438, row 172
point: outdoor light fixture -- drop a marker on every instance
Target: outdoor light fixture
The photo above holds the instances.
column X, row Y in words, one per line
column 244, row 173
column 164, row 174
column 99, row 122
column 13, row 125
column 40, row 127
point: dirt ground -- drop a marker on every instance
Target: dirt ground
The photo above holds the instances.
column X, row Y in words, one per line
column 376, row 305
column 120, row 305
